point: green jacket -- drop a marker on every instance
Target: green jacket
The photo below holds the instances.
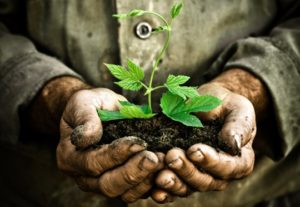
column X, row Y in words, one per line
column 261, row 36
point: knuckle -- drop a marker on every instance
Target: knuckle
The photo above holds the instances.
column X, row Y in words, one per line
column 92, row 166
column 107, row 189
column 190, row 173
column 206, row 184
column 62, row 160
column 129, row 197
column 132, row 179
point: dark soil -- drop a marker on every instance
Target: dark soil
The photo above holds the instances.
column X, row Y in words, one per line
column 162, row 134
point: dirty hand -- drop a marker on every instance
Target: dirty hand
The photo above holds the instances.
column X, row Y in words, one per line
column 242, row 96
column 122, row 168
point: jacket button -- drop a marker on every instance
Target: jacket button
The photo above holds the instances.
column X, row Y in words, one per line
column 143, row 30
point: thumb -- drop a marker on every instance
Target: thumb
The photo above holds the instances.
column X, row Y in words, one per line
column 89, row 132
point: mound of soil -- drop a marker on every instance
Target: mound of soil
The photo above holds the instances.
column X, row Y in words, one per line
column 162, row 134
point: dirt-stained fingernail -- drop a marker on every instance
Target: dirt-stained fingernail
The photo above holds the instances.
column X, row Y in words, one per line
column 168, row 183
column 176, row 164
column 237, row 141
column 136, row 148
column 148, row 163
column 196, row 155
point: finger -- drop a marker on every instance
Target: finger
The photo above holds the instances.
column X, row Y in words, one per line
column 188, row 172
column 144, row 187
column 95, row 162
column 220, row 164
column 107, row 99
column 138, row 191
column 80, row 114
column 170, row 182
column 240, row 124
column 161, row 158
column 161, row 196
column 118, row 181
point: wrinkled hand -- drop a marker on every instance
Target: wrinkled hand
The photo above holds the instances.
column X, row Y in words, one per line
column 122, row 168
column 203, row 168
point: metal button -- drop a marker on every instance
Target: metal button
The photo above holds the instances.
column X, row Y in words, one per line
column 143, row 30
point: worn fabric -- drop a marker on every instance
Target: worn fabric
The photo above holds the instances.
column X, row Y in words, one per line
column 261, row 36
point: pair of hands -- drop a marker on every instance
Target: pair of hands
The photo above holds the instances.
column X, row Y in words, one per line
column 125, row 168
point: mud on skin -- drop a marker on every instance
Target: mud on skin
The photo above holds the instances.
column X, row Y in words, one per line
column 162, row 134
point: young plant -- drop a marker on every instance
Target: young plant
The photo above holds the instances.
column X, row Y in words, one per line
column 178, row 103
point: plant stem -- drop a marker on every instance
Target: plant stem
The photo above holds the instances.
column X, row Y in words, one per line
column 158, row 87
column 159, row 57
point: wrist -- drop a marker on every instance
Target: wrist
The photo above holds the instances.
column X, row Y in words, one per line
column 46, row 109
column 246, row 84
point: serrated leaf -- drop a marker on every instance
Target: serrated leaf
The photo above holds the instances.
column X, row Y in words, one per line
column 203, row 103
column 161, row 29
column 110, row 115
column 175, row 11
column 184, row 91
column 173, row 107
column 187, row 119
column 136, row 71
column 129, row 84
column 173, row 85
column 135, row 112
column 177, row 109
column 126, row 103
column 145, row 108
column 129, row 79
column 117, row 71
column 136, row 13
column 133, row 13
column 173, row 80
column 171, row 104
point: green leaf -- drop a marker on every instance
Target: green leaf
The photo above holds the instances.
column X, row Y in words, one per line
column 184, row 91
column 203, row 103
column 175, row 11
column 129, row 84
column 136, row 13
column 135, row 112
column 171, row 103
column 179, row 110
column 126, row 103
column 173, row 85
column 118, row 71
column 136, row 71
column 173, row 80
column 173, row 107
column 133, row 13
column 187, row 119
column 129, row 79
column 127, row 111
column 109, row 115
column 145, row 108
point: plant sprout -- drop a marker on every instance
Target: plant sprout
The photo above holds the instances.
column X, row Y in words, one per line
column 177, row 103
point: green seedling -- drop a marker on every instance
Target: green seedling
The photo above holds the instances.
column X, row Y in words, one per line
column 178, row 102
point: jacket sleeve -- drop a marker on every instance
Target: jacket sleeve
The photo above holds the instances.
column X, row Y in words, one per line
column 23, row 72
column 275, row 59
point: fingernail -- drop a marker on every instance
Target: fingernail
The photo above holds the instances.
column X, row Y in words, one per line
column 238, row 141
column 148, row 163
column 168, row 183
column 176, row 164
column 197, row 155
column 136, row 148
